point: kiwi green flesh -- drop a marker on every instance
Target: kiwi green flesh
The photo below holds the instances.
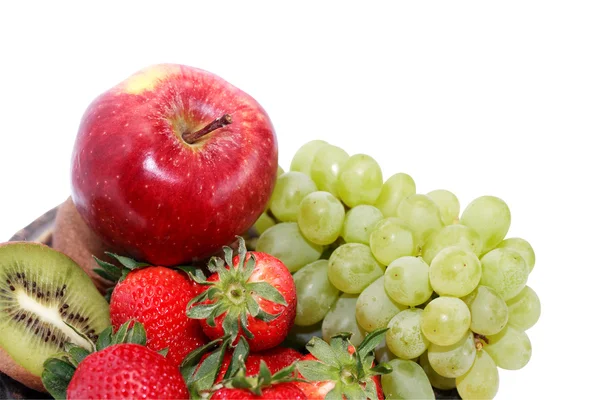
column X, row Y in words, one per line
column 42, row 292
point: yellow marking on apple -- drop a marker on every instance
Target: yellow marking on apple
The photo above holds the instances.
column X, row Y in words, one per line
column 147, row 78
column 51, row 316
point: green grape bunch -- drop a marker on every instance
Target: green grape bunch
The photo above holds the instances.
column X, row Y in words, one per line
column 369, row 253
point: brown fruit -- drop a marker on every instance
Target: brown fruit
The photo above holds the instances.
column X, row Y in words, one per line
column 73, row 237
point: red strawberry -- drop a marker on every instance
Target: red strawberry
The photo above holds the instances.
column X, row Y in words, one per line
column 341, row 368
column 255, row 298
column 280, row 391
column 127, row 371
column 157, row 297
column 276, row 359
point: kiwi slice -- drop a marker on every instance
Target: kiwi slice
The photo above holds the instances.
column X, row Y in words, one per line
column 42, row 292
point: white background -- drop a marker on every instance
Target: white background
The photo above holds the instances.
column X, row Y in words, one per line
column 477, row 98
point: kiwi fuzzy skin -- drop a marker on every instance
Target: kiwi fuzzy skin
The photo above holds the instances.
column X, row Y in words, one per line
column 18, row 373
column 74, row 238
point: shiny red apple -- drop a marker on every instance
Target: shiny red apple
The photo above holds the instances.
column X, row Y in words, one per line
column 172, row 164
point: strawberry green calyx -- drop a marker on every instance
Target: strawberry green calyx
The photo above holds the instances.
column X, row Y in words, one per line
column 116, row 274
column 352, row 373
column 264, row 379
column 59, row 370
column 233, row 294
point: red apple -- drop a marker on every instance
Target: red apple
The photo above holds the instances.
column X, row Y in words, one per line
column 172, row 164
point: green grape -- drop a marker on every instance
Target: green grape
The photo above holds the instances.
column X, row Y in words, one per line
column 289, row 191
column 454, row 360
column 489, row 313
column 510, row 349
column 407, row 281
column 437, row 381
column 359, row 223
column 481, row 381
column 394, row 190
column 490, row 217
column 342, row 318
column 448, row 204
column 303, row 158
column 352, row 268
column 524, row 309
column 280, row 170
column 451, row 235
column 404, row 337
column 263, row 223
column 321, row 217
column 523, row 247
column 374, row 308
column 504, row 270
column 421, row 215
column 285, row 242
column 406, row 381
column 326, row 167
column 359, row 181
column 316, row 295
column 391, row 239
column 299, row 336
column 445, row 320
column 454, row 272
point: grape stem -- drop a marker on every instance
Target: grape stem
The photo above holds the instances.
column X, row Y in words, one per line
column 480, row 340
column 193, row 137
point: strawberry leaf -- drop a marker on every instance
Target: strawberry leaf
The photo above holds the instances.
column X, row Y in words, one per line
column 137, row 334
column 244, row 324
column 238, row 358
column 265, row 316
column 252, row 306
column 104, row 339
column 163, row 352
column 231, row 324
column 381, row 369
column 56, row 376
column 200, row 374
column 201, row 311
column 318, row 371
column 249, row 268
column 267, row 292
column 228, row 255
column 194, row 273
column 127, row 262
column 322, row 351
column 371, row 341
column 107, row 270
column 355, row 392
column 371, row 390
column 75, row 353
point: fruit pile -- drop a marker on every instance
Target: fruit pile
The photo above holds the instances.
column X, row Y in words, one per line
column 368, row 254
column 352, row 287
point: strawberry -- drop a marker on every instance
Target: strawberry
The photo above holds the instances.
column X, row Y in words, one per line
column 157, row 297
column 263, row 385
column 276, row 359
column 120, row 366
column 127, row 371
column 252, row 296
column 280, row 391
column 340, row 368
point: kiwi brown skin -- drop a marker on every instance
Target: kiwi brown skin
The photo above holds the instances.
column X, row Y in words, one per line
column 18, row 373
column 74, row 238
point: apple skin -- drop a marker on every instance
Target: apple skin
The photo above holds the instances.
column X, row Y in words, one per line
column 150, row 194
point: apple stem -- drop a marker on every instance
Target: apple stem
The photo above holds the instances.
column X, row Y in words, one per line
column 193, row 137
